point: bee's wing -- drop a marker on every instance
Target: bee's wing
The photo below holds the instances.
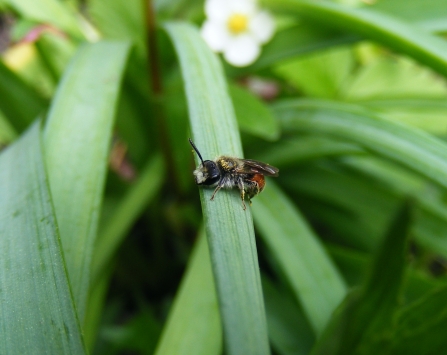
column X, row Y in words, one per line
column 257, row 167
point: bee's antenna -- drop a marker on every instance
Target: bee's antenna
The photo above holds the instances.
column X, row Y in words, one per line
column 195, row 148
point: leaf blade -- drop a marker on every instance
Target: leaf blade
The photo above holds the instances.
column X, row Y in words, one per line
column 368, row 312
column 232, row 245
column 38, row 312
column 193, row 325
column 314, row 278
column 253, row 116
column 77, row 137
column 414, row 149
column 13, row 92
column 48, row 11
column 428, row 49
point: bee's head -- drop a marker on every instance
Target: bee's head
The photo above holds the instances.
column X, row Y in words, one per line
column 206, row 173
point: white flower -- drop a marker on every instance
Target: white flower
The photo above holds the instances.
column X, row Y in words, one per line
column 237, row 28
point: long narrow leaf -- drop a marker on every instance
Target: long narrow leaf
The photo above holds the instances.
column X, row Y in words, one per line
column 38, row 315
column 420, row 328
column 313, row 276
column 48, row 11
column 412, row 148
column 295, row 41
column 428, row 14
column 77, row 140
column 14, row 92
column 228, row 227
column 368, row 313
column 290, row 152
column 289, row 330
column 253, row 116
column 7, row 132
column 193, row 326
column 428, row 49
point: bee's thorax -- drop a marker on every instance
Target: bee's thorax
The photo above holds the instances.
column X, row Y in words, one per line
column 227, row 163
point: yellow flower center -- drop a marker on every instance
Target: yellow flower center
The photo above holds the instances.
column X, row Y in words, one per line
column 237, row 23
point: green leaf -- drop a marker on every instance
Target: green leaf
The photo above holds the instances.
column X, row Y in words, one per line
column 308, row 37
column 94, row 310
column 125, row 215
column 346, row 203
column 290, row 152
column 175, row 110
column 368, row 312
column 427, row 114
column 398, row 35
column 430, row 212
column 351, row 263
column 7, row 132
column 314, row 278
column 38, row 315
column 295, row 41
column 289, row 330
column 51, row 12
column 120, row 20
column 428, row 14
column 412, row 148
column 420, row 326
column 321, row 74
column 228, row 227
column 55, row 52
column 385, row 78
column 253, row 116
column 77, row 142
column 362, row 193
column 354, row 266
column 193, row 325
column 19, row 102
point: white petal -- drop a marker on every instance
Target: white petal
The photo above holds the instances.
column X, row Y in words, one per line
column 262, row 26
column 242, row 7
column 215, row 35
column 217, row 10
column 242, row 50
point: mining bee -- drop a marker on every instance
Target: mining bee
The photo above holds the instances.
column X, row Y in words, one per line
column 229, row 172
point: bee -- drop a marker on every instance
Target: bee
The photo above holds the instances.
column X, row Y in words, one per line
column 228, row 172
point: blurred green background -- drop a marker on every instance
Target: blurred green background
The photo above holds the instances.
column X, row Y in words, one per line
column 103, row 234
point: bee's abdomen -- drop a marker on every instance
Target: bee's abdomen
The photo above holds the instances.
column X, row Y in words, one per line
column 259, row 180
column 254, row 184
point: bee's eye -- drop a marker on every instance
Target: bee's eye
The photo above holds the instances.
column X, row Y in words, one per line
column 213, row 172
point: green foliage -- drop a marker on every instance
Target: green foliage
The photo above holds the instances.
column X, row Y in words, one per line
column 232, row 245
column 14, row 91
column 310, row 272
column 107, row 246
column 193, row 325
column 367, row 313
column 38, row 310
column 76, row 155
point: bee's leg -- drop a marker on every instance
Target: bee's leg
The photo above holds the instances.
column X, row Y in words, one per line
column 219, row 186
column 240, row 184
column 215, row 191
column 251, row 192
column 243, row 198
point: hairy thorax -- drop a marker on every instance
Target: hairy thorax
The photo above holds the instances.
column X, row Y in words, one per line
column 227, row 164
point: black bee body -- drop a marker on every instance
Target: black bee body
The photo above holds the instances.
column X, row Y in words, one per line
column 229, row 172
column 251, row 184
